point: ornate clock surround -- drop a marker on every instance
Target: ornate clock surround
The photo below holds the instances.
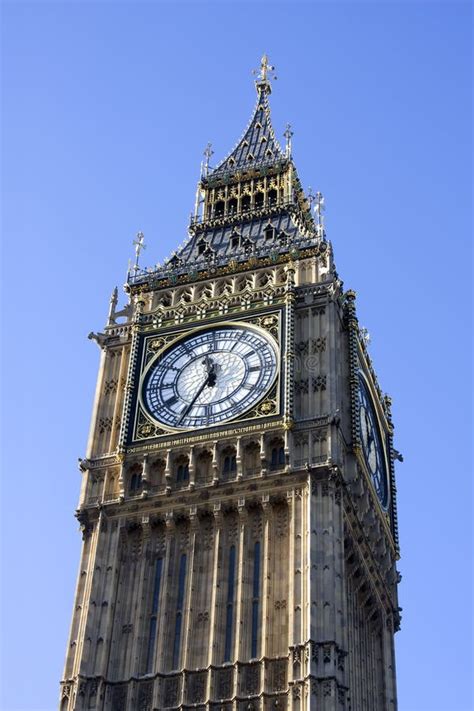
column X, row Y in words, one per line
column 271, row 322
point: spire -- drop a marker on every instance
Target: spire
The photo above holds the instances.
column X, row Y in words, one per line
column 258, row 146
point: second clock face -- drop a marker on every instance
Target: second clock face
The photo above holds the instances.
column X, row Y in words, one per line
column 209, row 377
column 372, row 444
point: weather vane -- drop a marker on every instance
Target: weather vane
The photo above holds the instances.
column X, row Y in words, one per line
column 139, row 243
column 207, row 157
column 319, row 209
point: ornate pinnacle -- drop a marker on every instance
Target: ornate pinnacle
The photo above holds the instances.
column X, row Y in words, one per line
column 319, row 209
column 208, row 153
column 288, row 135
column 139, row 243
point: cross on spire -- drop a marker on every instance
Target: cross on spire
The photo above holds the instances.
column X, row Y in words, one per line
column 139, row 243
column 266, row 72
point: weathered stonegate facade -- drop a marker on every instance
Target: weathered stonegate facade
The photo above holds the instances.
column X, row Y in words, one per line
column 238, row 500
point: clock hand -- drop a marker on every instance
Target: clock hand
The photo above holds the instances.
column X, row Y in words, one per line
column 210, row 381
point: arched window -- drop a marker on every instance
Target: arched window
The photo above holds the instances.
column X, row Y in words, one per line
column 230, row 606
column 179, row 612
column 232, row 207
column 272, row 196
column 246, row 202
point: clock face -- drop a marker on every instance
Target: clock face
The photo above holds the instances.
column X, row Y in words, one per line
column 372, row 448
column 209, row 377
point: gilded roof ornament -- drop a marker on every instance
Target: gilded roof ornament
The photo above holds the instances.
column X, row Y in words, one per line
column 265, row 72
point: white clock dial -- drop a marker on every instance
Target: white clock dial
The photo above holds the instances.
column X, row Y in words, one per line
column 209, row 377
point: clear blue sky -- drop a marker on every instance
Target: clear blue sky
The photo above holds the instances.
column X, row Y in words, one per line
column 107, row 108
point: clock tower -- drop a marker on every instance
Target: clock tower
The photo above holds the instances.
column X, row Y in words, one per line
column 238, row 505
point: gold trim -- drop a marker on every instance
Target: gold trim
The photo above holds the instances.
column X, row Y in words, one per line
column 265, row 333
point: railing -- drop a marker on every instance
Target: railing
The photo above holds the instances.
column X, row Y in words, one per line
column 272, row 250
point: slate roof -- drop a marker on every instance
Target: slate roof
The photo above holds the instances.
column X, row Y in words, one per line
column 258, row 145
column 254, row 237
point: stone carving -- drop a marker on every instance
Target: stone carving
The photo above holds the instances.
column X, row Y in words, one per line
column 251, row 679
column 144, row 696
column 319, row 383
column 105, row 424
column 224, row 683
column 301, row 386
column 196, row 687
column 319, row 344
column 278, row 675
column 327, row 687
column 170, row 691
column 110, row 386
column 302, row 347
column 119, row 698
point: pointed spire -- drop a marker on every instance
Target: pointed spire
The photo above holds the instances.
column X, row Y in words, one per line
column 112, row 307
column 259, row 145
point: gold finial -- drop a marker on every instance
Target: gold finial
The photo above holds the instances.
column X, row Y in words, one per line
column 266, row 72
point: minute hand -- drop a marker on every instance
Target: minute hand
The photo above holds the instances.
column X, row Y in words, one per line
column 193, row 401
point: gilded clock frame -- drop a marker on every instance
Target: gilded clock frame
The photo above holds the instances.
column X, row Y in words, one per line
column 268, row 407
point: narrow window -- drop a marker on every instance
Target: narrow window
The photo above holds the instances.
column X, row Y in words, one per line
column 259, row 198
column 154, row 615
column 255, row 599
column 278, row 457
column 219, row 208
column 135, row 482
column 230, row 606
column 179, row 611
column 183, row 472
column 232, row 206
column 246, row 202
column 230, row 466
column 281, row 455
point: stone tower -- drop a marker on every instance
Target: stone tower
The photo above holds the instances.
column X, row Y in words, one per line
column 238, row 498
